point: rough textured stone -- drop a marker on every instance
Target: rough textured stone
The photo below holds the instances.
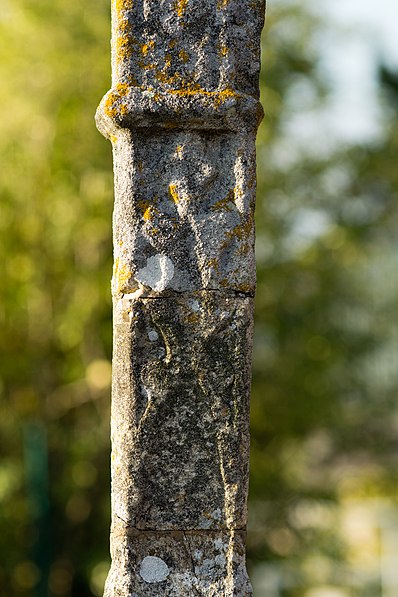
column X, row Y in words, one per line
column 182, row 116
column 180, row 404
column 184, row 211
column 177, row 563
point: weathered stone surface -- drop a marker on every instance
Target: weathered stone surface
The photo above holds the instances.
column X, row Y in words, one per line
column 180, row 404
column 182, row 115
column 184, row 208
column 184, row 62
column 177, row 564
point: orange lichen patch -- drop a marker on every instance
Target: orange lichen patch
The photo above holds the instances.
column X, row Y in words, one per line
column 179, row 150
column 111, row 106
column 226, row 203
column 122, row 5
column 162, row 77
column 219, row 97
column 167, row 60
column 193, row 318
column 143, row 206
column 222, row 4
column 184, row 57
column 180, row 7
column 121, row 274
column 124, row 26
column 243, row 230
column 145, row 48
column 173, row 193
column 124, row 47
column 223, row 51
column 172, row 43
column 147, row 215
column 147, row 209
column 223, row 95
column 122, row 89
column 246, row 288
column 147, row 66
column 125, row 43
column 213, row 264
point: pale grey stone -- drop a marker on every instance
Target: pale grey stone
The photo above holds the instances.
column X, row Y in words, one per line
column 182, row 116
column 153, row 569
column 206, row 564
column 181, row 407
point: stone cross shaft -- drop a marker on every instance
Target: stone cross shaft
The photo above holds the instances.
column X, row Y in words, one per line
column 182, row 116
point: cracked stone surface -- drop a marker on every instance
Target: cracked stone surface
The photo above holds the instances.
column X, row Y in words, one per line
column 180, row 403
column 177, row 563
column 182, row 116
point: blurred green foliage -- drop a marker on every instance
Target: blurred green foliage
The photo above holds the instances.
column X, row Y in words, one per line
column 324, row 422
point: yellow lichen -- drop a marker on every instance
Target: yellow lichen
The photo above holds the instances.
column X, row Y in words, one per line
column 179, row 150
column 147, row 215
column 124, row 48
column 225, row 202
column 167, row 60
column 121, row 274
column 147, row 65
column 223, row 50
column 219, row 96
column 146, row 47
column 111, row 107
column 243, row 230
column 162, row 77
column 147, row 208
column 180, row 7
column 223, row 95
column 246, row 288
column 222, row 4
column 122, row 5
column 173, row 193
column 193, row 318
column 183, row 56
column 213, row 264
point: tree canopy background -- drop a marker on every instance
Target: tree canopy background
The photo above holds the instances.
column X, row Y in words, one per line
column 324, row 413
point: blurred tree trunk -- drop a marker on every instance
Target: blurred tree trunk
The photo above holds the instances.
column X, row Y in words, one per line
column 182, row 117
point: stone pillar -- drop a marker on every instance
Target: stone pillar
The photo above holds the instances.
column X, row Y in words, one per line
column 182, row 116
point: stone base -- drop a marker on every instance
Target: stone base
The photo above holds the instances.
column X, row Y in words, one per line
column 177, row 564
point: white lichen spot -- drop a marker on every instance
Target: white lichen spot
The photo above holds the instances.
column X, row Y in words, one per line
column 205, row 523
column 157, row 273
column 194, row 304
column 218, row 543
column 220, row 560
column 153, row 335
column 216, row 514
column 146, row 9
column 198, row 554
column 154, row 569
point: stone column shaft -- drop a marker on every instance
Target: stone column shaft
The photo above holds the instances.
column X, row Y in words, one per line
column 182, row 116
